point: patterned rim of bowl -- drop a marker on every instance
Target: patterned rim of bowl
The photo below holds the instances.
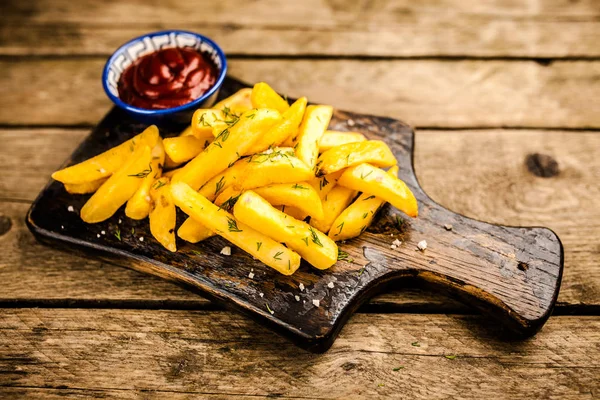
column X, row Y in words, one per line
column 151, row 42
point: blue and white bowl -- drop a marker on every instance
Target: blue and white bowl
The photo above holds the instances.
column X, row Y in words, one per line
column 149, row 43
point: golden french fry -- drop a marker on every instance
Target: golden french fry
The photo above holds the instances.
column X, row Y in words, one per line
column 299, row 195
column 288, row 126
column 138, row 206
column 334, row 203
column 315, row 122
column 224, row 180
column 263, row 96
column 193, row 231
column 227, row 147
column 314, row 246
column 237, row 103
column 347, row 155
column 84, row 188
column 119, row 187
column 183, row 148
column 324, row 184
column 276, row 166
column 107, row 163
column 163, row 214
column 358, row 215
column 336, row 138
column 369, row 179
column 260, row 246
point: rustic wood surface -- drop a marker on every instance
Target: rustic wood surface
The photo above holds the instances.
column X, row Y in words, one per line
column 452, row 64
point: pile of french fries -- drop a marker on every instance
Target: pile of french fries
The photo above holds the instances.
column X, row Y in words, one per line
column 253, row 169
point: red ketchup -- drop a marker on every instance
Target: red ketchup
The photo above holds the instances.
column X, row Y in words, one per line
column 167, row 78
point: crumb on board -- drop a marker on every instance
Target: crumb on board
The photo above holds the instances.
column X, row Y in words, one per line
column 316, row 302
column 261, row 294
column 226, row 251
column 251, row 275
column 422, row 245
column 393, row 247
column 297, row 297
column 141, row 238
column 70, row 209
column 301, row 287
column 397, row 242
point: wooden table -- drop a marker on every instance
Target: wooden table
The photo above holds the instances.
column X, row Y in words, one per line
column 506, row 99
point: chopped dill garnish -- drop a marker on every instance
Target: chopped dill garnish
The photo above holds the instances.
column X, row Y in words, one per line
column 229, row 203
column 118, row 234
column 232, row 225
column 363, row 176
column 369, row 198
column 343, row 256
column 276, row 256
column 219, row 185
column 365, row 215
column 269, row 308
column 258, row 244
column 341, row 226
column 315, row 237
column 324, row 182
column 144, row 173
column 296, row 186
column 305, row 240
column 159, row 184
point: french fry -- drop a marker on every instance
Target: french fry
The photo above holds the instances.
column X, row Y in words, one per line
column 336, row 138
column 324, row 184
column 224, row 180
column 183, row 148
column 299, row 195
column 237, row 103
column 375, row 152
column 163, row 214
column 369, row 179
column 138, row 206
column 107, row 163
column 207, row 123
column 193, row 231
column 260, row 246
column 227, row 147
column 263, row 96
column 314, row 246
column 358, row 215
column 118, row 188
column 334, row 203
column 288, row 126
column 278, row 166
column 84, row 188
column 315, row 122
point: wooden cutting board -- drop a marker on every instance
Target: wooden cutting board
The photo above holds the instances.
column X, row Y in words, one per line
column 511, row 273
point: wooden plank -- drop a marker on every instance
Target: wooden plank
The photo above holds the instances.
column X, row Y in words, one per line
column 197, row 352
column 314, row 27
column 422, row 92
column 500, row 189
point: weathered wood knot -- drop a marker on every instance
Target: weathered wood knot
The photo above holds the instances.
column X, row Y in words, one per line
column 5, row 224
column 542, row 165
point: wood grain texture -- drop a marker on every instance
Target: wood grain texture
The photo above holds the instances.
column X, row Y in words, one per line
column 432, row 93
column 193, row 353
column 514, row 273
column 313, row 27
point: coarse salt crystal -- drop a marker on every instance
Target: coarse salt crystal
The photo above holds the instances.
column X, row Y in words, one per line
column 98, row 235
column 120, row 220
column 422, row 245
column 62, row 227
column 351, row 122
column 393, row 247
column 448, row 227
column 251, row 275
column 316, row 302
column 297, row 297
column 330, row 285
column 70, row 209
column 397, row 242
column 102, row 170
column 226, row 251
column 148, row 199
column 261, row 294
column 268, row 151
column 301, row 287
column 141, row 238
column 103, row 232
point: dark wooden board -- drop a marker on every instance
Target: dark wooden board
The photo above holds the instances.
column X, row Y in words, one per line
column 512, row 273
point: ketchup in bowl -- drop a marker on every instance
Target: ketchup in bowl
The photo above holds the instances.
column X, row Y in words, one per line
column 167, row 78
